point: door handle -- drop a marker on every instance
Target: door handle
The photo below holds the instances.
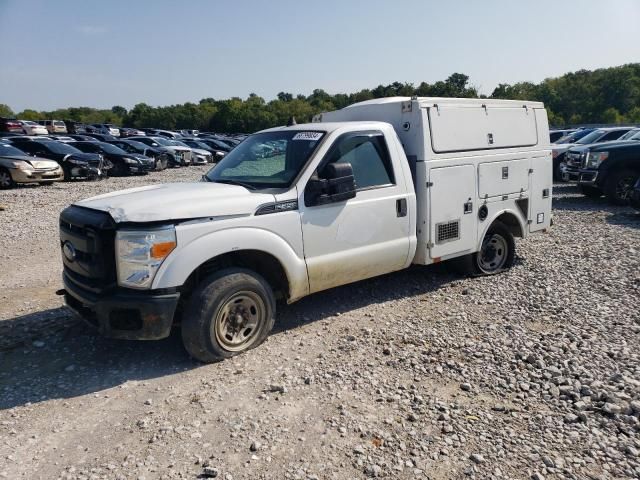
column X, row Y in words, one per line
column 401, row 207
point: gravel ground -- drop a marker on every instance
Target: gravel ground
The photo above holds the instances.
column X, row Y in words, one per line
column 420, row 374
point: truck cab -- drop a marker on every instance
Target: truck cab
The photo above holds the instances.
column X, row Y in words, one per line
column 294, row 210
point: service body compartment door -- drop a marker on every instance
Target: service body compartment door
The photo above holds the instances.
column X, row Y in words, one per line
column 540, row 193
column 475, row 127
column 503, row 178
column 452, row 204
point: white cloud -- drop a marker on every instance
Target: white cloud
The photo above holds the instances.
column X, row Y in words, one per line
column 91, row 29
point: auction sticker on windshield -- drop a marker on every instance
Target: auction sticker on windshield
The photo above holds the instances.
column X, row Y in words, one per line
column 312, row 136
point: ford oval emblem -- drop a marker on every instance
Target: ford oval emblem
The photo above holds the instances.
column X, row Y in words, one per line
column 69, row 251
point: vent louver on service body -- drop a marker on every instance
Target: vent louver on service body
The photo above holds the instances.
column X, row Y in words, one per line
column 448, row 231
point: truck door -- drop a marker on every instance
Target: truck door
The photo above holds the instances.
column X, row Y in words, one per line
column 364, row 236
column 452, row 208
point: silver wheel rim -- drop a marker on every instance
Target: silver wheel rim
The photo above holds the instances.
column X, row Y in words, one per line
column 493, row 254
column 5, row 180
column 238, row 321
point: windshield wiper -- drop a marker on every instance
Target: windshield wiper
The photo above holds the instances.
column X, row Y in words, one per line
column 234, row 182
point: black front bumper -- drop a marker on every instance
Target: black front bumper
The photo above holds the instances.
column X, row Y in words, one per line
column 579, row 175
column 122, row 314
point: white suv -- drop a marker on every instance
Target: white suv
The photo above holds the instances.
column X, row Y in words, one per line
column 54, row 126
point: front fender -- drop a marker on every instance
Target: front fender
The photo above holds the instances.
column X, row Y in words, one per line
column 493, row 216
column 189, row 256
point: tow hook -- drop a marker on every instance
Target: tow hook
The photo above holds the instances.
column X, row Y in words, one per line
column 61, row 292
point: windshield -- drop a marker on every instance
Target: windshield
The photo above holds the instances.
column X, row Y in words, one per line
column 108, row 148
column 270, row 159
column 572, row 137
column 61, row 148
column 9, row 150
column 162, row 141
column 631, row 135
column 591, row 138
column 130, row 145
column 217, row 144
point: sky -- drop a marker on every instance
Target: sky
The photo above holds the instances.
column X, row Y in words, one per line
column 62, row 53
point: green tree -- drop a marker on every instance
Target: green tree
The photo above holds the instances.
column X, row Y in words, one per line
column 5, row 110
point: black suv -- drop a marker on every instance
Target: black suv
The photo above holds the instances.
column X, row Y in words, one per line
column 610, row 168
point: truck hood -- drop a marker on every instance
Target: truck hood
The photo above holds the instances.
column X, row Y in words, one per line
column 178, row 201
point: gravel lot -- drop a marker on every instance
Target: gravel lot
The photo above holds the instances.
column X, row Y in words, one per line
column 420, row 374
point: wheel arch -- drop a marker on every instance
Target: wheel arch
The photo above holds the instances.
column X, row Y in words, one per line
column 256, row 249
column 510, row 219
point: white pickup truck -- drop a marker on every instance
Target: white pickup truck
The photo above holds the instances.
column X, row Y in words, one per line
column 363, row 191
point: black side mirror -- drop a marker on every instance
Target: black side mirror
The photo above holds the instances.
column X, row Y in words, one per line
column 334, row 184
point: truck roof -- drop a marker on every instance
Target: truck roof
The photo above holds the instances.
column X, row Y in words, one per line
column 325, row 126
column 448, row 100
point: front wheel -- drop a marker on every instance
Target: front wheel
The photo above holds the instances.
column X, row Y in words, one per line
column 230, row 312
column 6, row 181
column 619, row 186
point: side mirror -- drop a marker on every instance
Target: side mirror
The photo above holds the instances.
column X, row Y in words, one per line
column 336, row 184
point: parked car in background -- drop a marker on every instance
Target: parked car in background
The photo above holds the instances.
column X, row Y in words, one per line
column 167, row 134
column 597, row 135
column 130, row 132
column 199, row 156
column 10, row 125
column 189, row 133
column 215, row 144
column 160, row 157
column 17, row 167
column 574, row 136
column 74, row 163
column 32, row 128
column 62, row 138
column 75, row 127
column 216, row 153
column 83, row 138
column 178, row 156
column 609, row 168
column 104, row 129
column 54, row 126
column 124, row 163
column 103, row 137
column 555, row 135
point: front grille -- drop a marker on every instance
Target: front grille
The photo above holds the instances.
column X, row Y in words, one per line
column 448, row 231
column 90, row 238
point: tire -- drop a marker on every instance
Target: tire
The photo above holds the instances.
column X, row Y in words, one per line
column 497, row 254
column 557, row 173
column 619, row 186
column 6, row 181
column 589, row 191
column 207, row 331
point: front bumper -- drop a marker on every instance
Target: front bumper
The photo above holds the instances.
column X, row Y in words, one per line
column 128, row 315
column 35, row 176
column 578, row 175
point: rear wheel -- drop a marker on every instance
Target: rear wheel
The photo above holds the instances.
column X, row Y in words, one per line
column 619, row 186
column 230, row 312
column 497, row 253
column 589, row 191
column 6, row 181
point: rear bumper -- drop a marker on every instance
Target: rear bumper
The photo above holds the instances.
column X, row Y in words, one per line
column 127, row 315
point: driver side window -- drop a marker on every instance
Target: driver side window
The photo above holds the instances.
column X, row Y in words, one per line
column 369, row 158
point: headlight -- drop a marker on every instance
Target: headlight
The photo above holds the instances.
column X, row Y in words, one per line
column 73, row 161
column 130, row 160
column 594, row 159
column 22, row 166
column 140, row 253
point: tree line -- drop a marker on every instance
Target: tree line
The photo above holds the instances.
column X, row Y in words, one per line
column 608, row 95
